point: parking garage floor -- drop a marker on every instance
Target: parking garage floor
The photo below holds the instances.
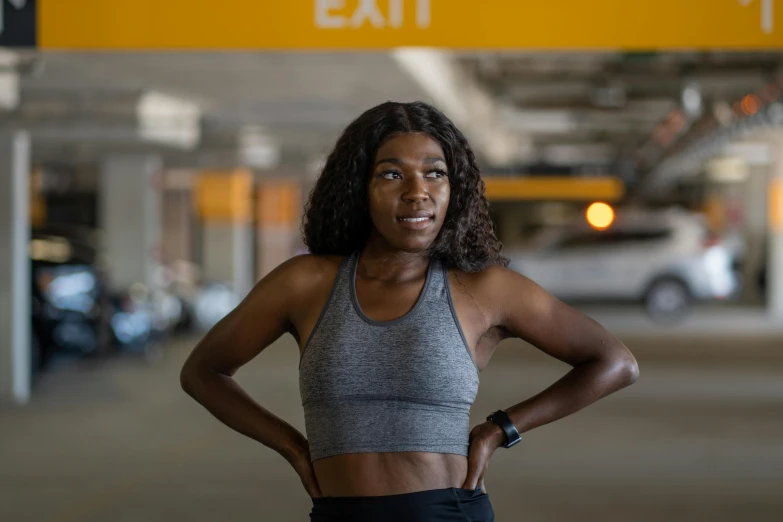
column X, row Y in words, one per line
column 698, row 437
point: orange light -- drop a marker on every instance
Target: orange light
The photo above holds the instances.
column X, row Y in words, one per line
column 600, row 216
column 750, row 104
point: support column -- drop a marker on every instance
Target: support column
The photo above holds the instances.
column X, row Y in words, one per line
column 775, row 245
column 15, row 344
column 735, row 208
column 130, row 218
column 278, row 214
column 224, row 202
column 178, row 217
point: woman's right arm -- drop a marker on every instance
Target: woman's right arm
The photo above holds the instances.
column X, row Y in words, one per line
column 261, row 318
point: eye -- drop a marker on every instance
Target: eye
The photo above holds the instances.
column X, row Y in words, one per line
column 435, row 174
column 391, row 174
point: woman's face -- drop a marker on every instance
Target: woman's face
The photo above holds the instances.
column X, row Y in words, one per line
column 409, row 191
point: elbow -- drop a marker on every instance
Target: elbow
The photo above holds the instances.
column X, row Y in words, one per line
column 619, row 368
column 188, row 379
column 196, row 378
column 631, row 371
column 626, row 368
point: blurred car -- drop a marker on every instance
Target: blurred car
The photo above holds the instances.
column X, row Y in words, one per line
column 664, row 259
column 69, row 301
column 142, row 318
column 214, row 301
column 190, row 303
column 73, row 311
column 178, row 282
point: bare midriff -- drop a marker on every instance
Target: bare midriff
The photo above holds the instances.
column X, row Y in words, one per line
column 377, row 474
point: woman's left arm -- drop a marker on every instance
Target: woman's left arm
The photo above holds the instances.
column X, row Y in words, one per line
column 601, row 363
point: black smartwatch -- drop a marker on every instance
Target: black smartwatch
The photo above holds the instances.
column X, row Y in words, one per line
column 502, row 419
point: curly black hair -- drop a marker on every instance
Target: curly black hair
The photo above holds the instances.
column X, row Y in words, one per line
column 337, row 219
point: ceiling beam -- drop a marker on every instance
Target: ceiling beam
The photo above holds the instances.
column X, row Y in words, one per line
column 466, row 102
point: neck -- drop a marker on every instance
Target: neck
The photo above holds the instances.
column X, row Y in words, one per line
column 378, row 260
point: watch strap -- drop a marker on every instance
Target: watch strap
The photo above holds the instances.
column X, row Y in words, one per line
column 502, row 419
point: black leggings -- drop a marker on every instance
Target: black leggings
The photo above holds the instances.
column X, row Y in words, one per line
column 437, row 505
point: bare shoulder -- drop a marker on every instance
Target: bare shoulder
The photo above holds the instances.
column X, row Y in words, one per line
column 498, row 292
column 305, row 274
column 311, row 265
column 489, row 284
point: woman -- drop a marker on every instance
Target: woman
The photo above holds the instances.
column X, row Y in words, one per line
column 398, row 307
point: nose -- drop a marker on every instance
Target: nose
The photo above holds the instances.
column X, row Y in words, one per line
column 415, row 190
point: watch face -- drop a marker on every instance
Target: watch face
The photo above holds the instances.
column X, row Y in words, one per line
column 513, row 442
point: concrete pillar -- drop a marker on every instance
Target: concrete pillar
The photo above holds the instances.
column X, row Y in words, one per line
column 228, row 255
column 279, row 211
column 755, row 231
column 178, row 221
column 224, row 204
column 775, row 245
column 15, row 352
column 130, row 218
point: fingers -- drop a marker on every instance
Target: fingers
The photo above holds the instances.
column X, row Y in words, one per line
column 314, row 489
column 475, row 477
column 304, row 468
column 476, row 468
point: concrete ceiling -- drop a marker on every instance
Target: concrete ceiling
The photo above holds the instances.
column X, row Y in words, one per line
column 614, row 100
column 303, row 99
column 573, row 109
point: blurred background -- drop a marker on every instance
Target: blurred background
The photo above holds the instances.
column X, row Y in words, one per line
column 154, row 161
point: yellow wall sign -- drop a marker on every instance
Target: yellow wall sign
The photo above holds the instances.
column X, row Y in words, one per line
column 553, row 188
column 224, row 197
column 279, row 204
column 384, row 24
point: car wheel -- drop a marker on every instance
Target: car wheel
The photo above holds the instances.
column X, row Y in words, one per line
column 667, row 300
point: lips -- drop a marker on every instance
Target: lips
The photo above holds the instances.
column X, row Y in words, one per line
column 418, row 220
column 415, row 214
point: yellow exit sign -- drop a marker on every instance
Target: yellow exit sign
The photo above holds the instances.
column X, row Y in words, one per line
column 333, row 14
column 385, row 24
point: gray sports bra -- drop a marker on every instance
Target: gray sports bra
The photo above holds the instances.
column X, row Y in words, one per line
column 401, row 385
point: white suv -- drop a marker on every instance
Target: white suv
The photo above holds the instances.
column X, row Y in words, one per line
column 665, row 259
